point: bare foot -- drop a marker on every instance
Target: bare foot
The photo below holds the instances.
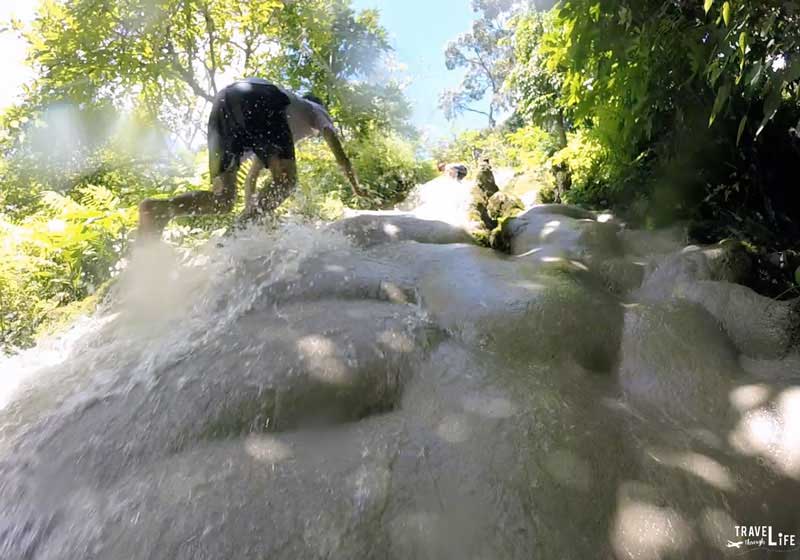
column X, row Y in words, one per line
column 247, row 217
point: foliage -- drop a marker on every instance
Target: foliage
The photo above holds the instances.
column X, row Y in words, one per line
column 320, row 186
column 60, row 255
column 693, row 105
column 528, row 146
column 388, row 166
column 118, row 108
column 756, row 57
column 523, row 147
column 164, row 55
column 536, row 88
column 591, row 174
column 470, row 145
column 619, row 71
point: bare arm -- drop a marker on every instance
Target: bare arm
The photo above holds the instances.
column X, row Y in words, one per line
column 341, row 158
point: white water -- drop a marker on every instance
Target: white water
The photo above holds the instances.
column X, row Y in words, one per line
column 584, row 398
column 174, row 300
column 443, row 199
column 171, row 301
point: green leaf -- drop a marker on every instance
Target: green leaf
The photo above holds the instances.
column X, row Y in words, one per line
column 771, row 106
column 707, row 5
column 726, row 13
column 742, row 125
column 793, row 71
column 714, row 72
column 754, row 75
column 742, row 55
column 722, row 96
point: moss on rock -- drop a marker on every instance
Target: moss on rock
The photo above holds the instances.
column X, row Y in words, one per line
column 493, row 208
column 503, row 205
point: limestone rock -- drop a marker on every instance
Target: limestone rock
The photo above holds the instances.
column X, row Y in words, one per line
column 383, row 388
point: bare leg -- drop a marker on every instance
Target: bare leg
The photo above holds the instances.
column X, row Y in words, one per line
column 155, row 214
column 250, row 185
column 284, row 182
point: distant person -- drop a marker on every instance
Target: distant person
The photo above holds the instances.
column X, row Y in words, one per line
column 455, row 170
column 251, row 115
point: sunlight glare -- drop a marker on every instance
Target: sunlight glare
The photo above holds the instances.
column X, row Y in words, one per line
column 548, row 229
column 267, row 449
column 645, row 531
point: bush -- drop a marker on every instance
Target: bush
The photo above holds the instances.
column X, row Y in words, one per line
column 472, row 145
column 695, row 105
column 521, row 148
column 319, row 179
column 529, row 147
column 60, row 255
column 387, row 167
column 546, row 195
column 590, row 169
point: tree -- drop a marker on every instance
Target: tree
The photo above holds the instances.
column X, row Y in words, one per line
column 116, row 115
column 693, row 105
column 487, row 54
column 534, row 88
column 163, row 56
column 338, row 53
column 756, row 58
column 160, row 63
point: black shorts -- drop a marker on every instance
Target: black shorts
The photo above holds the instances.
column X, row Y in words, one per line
column 248, row 116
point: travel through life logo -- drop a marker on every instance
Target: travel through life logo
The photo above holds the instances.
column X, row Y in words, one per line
column 749, row 537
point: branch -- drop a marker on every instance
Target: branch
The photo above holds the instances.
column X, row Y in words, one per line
column 212, row 71
column 187, row 75
column 479, row 63
column 484, row 113
column 488, row 72
column 248, row 54
column 190, row 80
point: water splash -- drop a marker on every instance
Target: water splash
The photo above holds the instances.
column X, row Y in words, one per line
column 444, row 199
column 167, row 303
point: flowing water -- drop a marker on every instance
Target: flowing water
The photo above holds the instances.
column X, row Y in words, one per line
column 382, row 388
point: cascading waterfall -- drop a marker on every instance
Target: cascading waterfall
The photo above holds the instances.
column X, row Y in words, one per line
column 382, row 388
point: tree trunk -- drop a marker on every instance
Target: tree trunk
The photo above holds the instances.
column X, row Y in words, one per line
column 561, row 130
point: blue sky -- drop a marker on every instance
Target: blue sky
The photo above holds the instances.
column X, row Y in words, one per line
column 419, row 31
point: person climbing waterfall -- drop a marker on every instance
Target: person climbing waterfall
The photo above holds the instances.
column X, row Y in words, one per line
column 251, row 115
column 457, row 171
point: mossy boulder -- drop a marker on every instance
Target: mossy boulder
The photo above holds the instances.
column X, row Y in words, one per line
column 547, row 195
column 485, row 187
column 499, row 238
column 503, row 204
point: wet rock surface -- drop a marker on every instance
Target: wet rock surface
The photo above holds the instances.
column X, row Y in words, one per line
column 382, row 388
